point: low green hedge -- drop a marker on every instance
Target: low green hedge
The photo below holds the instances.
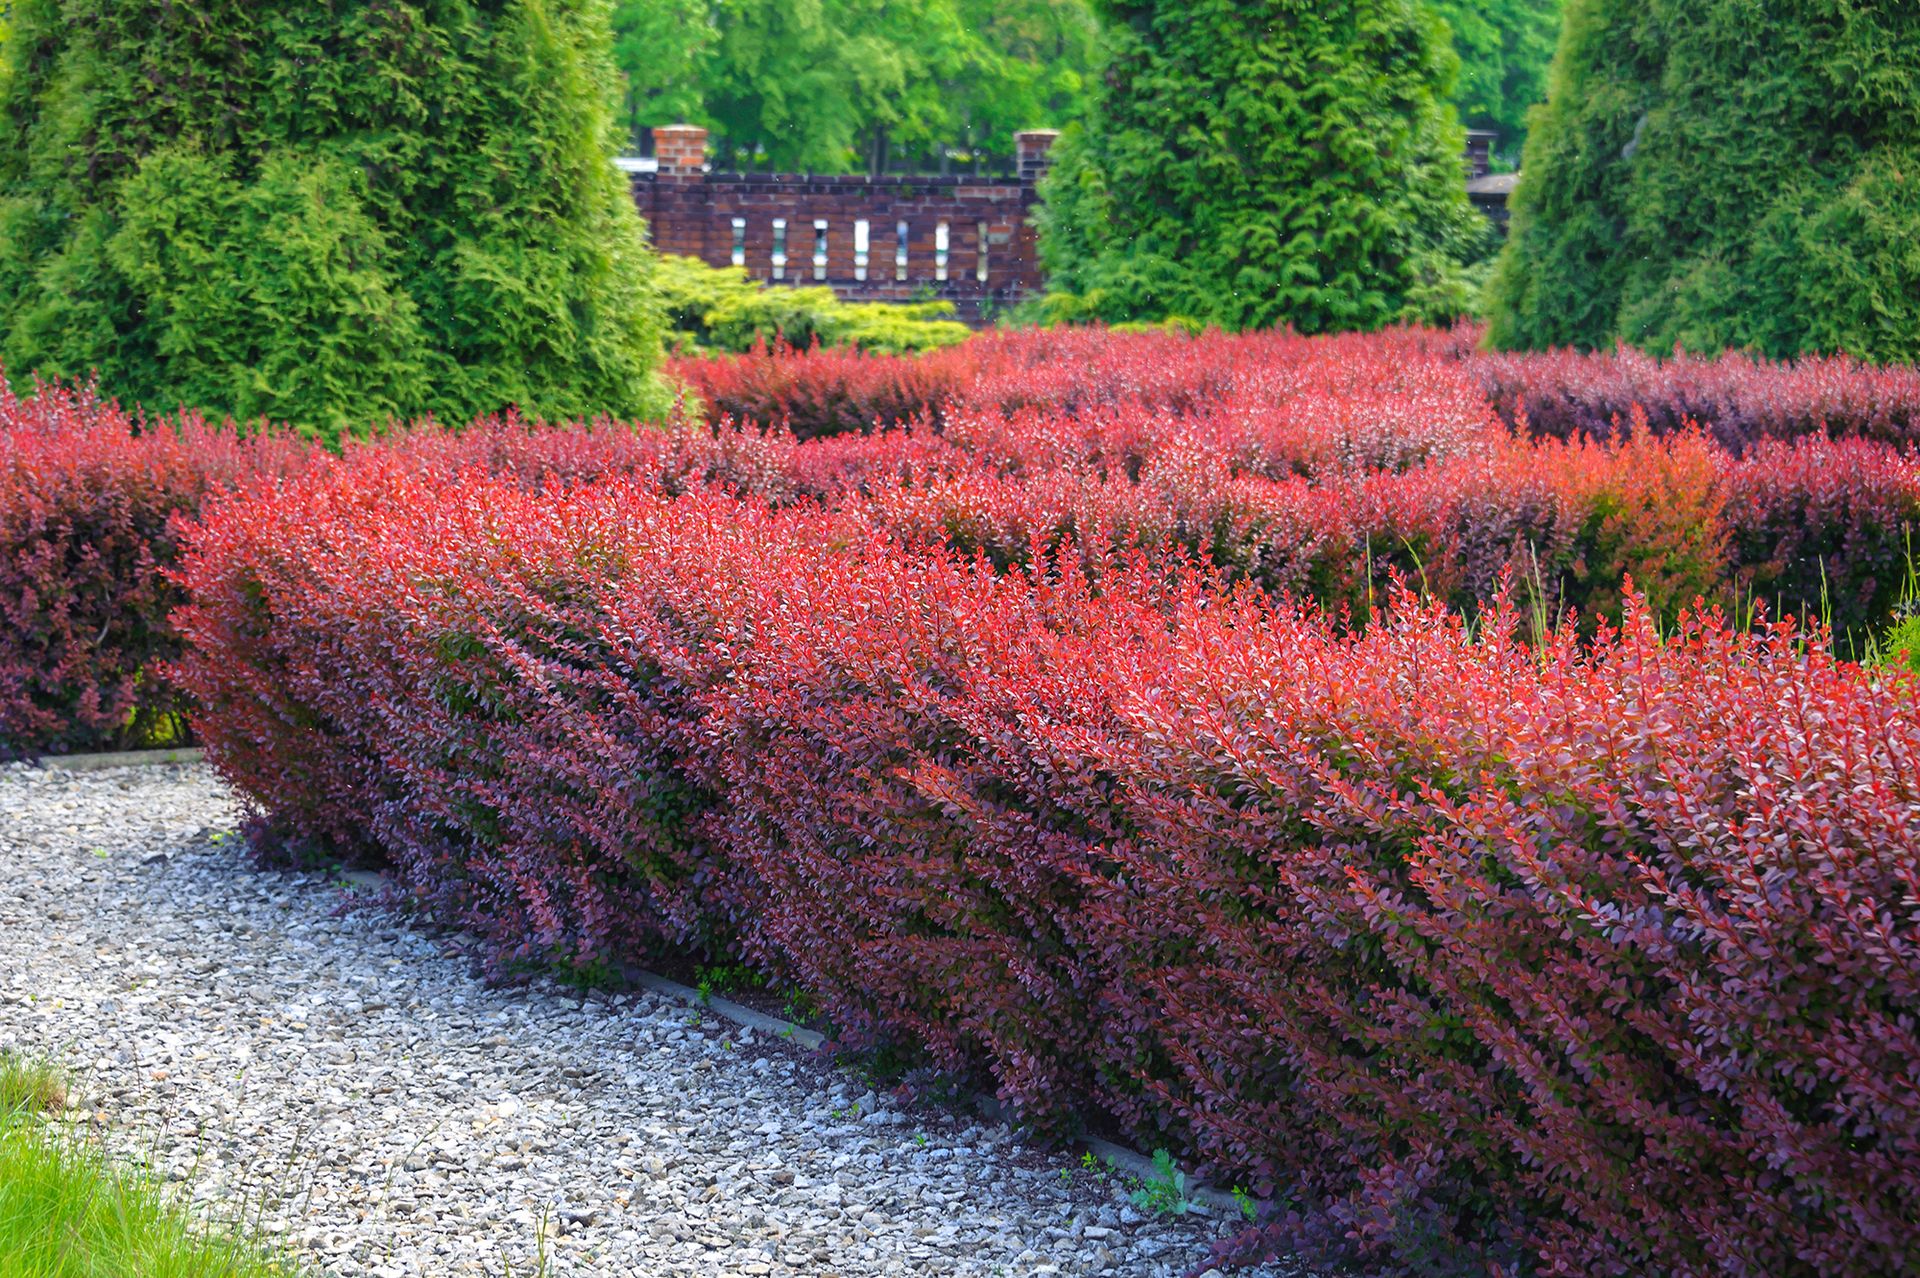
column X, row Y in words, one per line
column 720, row 308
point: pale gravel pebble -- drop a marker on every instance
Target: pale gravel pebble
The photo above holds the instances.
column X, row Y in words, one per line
column 346, row 1079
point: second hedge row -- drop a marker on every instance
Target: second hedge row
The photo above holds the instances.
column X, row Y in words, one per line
column 1351, row 470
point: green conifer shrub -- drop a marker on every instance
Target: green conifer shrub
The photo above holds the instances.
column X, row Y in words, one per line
column 1260, row 163
column 1722, row 173
column 329, row 214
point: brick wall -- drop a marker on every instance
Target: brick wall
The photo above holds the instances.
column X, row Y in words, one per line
column 806, row 229
column 817, row 224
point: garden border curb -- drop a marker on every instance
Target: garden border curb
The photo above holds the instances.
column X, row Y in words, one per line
column 1130, row 1161
column 1206, row 1199
column 121, row 759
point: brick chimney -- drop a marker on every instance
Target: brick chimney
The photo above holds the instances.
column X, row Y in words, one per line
column 681, row 149
column 1030, row 148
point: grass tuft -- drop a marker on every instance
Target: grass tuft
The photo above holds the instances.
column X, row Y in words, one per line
column 68, row 1211
column 30, row 1087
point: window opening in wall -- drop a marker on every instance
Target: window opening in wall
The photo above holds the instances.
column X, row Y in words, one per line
column 779, row 248
column 862, row 240
column 819, row 249
column 739, row 241
column 940, row 234
column 900, row 251
column 980, row 266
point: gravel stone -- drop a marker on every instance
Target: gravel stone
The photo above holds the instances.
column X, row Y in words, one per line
column 285, row 1050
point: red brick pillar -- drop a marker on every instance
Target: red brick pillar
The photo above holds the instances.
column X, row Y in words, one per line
column 681, row 149
column 1030, row 148
column 679, row 212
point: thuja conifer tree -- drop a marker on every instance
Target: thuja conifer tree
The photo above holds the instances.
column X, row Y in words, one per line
column 1722, row 173
column 325, row 213
column 1260, row 162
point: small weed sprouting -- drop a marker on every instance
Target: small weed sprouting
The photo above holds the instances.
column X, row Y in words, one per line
column 1164, row 1192
column 1244, row 1201
column 725, row 978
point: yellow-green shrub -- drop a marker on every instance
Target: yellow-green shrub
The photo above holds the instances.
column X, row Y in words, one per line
column 719, row 307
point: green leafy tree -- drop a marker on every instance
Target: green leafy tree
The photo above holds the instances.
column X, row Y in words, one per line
column 1722, row 173
column 1023, row 64
column 1253, row 164
column 1505, row 48
column 660, row 47
column 325, row 214
column 847, row 85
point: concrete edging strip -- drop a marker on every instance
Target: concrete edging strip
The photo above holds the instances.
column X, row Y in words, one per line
column 1128, row 1161
column 1204, row 1198
column 121, row 759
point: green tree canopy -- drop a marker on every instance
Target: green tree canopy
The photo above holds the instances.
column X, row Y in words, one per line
column 849, row 85
column 327, row 214
column 1260, row 163
column 1722, row 173
column 1505, row 48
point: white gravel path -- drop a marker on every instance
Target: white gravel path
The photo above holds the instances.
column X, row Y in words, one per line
column 345, row 1078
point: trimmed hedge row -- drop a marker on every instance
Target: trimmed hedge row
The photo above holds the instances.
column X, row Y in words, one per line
column 1815, row 528
column 1463, row 953
column 86, row 531
column 1553, row 394
column 1321, row 467
column 90, row 499
column 1738, row 400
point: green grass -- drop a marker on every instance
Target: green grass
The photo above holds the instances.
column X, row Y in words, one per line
column 29, row 1087
column 69, row 1211
column 1901, row 647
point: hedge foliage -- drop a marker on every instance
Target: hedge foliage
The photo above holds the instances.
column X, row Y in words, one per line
column 90, row 499
column 1255, row 164
column 1307, row 466
column 86, row 535
column 1464, row 954
column 329, row 215
column 1801, row 235
column 719, row 308
column 1505, row 48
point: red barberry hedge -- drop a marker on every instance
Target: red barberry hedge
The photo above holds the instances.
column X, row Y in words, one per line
column 1741, row 401
column 89, row 498
column 1314, row 467
column 1737, row 400
column 86, row 532
column 1594, row 954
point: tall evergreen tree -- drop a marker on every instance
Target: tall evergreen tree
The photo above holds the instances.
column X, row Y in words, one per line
column 1722, row 173
column 323, row 213
column 1258, row 162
